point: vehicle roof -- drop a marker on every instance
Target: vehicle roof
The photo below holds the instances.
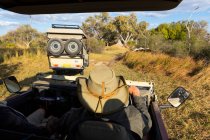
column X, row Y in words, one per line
column 75, row 6
column 66, row 31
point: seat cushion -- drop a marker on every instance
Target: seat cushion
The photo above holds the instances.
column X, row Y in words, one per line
column 96, row 130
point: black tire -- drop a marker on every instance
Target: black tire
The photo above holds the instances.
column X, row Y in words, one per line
column 73, row 47
column 55, row 47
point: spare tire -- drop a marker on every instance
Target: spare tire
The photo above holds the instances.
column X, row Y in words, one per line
column 73, row 47
column 55, row 47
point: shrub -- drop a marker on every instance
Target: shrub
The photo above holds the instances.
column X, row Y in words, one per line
column 40, row 41
column 1, row 58
column 94, row 45
column 131, row 44
column 180, row 48
column 10, row 45
column 204, row 53
column 177, row 68
column 156, row 42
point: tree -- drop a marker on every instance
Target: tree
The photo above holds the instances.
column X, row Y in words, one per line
column 125, row 27
column 172, row 31
column 110, row 35
column 89, row 26
column 94, row 25
column 195, row 29
column 23, row 36
column 189, row 27
column 142, row 32
column 40, row 41
column 163, row 28
column 26, row 34
column 174, row 38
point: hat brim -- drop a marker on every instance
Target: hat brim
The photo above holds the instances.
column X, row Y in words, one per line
column 107, row 105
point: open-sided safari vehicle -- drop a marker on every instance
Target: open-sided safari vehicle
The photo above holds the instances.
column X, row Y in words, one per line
column 66, row 50
column 58, row 94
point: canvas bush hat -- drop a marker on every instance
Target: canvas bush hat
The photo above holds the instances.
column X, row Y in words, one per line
column 103, row 92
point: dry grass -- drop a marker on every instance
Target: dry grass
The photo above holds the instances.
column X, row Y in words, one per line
column 177, row 68
column 109, row 53
column 190, row 121
column 115, row 49
column 24, row 68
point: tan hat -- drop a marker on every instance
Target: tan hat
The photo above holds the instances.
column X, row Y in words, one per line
column 103, row 92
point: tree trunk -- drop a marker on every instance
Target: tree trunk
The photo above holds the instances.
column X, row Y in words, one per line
column 126, row 39
column 27, row 44
column 189, row 30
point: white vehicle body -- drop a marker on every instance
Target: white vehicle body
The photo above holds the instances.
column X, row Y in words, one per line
column 146, row 88
column 62, row 34
column 65, row 62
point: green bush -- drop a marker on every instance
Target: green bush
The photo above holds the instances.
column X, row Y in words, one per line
column 40, row 41
column 204, row 53
column 131, row 44
column 169, row 49
column 156, row 42
column 1, row 58
column 180, row 48
column 10, row 45
column 7, row 53
column 94, row 45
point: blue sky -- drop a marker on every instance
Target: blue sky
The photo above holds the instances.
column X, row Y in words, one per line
column 10, row 21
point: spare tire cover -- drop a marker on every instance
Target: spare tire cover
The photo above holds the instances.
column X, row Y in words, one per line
column 73, row 47
column 55, row 47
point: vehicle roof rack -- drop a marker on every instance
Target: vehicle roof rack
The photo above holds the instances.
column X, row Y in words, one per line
column 65, row 26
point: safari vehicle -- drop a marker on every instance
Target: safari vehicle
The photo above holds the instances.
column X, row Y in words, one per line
column 66, row 50
column 141, row 49
column 57, row 93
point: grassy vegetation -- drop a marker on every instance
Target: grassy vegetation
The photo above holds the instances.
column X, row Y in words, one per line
column 24, row 67
column 177, row 68
column 190, row 121
column 7, row 53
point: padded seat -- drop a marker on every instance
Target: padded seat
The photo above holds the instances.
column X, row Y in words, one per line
column 97, row 130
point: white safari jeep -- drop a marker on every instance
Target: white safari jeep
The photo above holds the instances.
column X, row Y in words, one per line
column 66, row 50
